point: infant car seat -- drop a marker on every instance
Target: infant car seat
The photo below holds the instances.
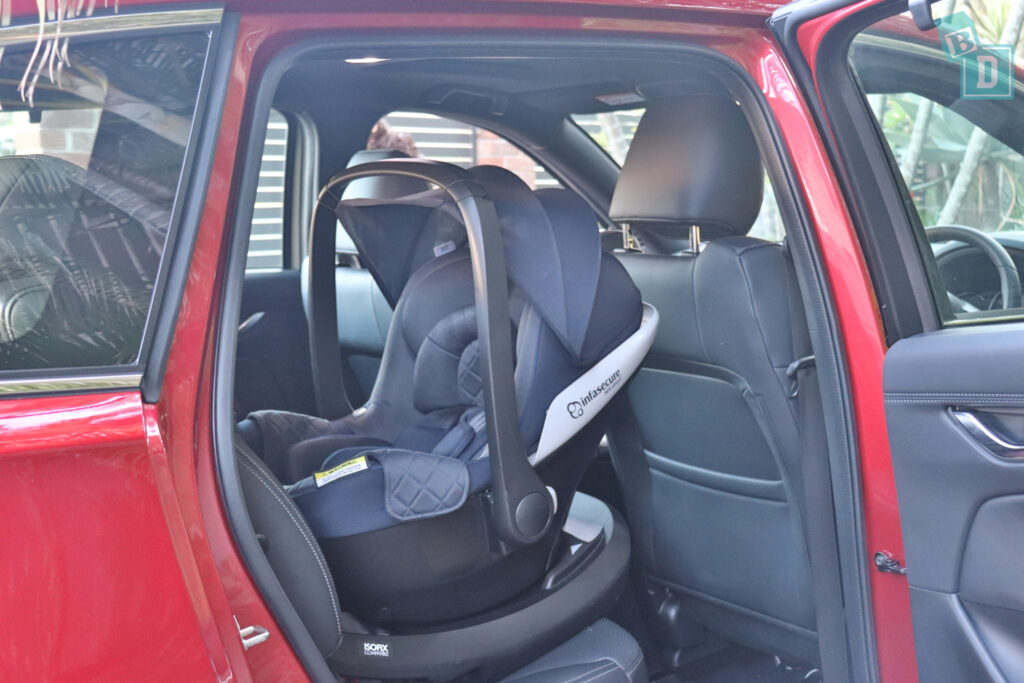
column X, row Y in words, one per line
column 426, row 506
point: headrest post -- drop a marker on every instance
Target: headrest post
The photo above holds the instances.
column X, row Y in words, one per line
column 629, row 241
column 695, row 238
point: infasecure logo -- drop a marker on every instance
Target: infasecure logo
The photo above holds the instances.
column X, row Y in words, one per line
column 575, row 408
column 376, row 649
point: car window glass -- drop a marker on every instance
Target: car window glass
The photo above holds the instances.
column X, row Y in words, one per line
column 949, row 108
column 612, row 130
column 89, row 171
column 432, row 137
column 266, row 239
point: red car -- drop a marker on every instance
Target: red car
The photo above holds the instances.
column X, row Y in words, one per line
column 534, row 341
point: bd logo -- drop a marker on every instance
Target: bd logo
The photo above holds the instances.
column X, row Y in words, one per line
column 575, row 409
column 987, row 74
column 986, row 71
column 960, row 43
column 376, row 649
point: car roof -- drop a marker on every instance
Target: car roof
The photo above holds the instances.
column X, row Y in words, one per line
column 759, row 8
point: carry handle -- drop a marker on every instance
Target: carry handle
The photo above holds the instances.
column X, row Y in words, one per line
column 522, row 507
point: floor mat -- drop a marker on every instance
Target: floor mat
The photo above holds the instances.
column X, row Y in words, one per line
column 735, row 664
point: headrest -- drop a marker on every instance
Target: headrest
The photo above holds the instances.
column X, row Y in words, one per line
column 693, row 161
column 381, row 186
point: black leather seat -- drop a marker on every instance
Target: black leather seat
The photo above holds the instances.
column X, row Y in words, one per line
column 711, row 455
column 602, row 653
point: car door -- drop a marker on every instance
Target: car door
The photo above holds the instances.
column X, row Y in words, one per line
column 103, row 174
column 924, row 122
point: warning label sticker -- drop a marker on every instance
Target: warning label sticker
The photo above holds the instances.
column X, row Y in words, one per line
column 343, row 470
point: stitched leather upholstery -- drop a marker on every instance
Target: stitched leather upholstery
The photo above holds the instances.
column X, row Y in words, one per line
column 718, row 518
column 602, row 653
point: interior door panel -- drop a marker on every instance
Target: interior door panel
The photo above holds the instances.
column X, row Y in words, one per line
column 961, row 496
column 272, row 368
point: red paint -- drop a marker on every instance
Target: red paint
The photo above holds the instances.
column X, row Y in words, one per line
column 865, row 349
column 118, row 561
column 91, row 588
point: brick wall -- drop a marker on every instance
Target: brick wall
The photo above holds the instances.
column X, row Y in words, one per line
column 67, row 134
column 494, row 151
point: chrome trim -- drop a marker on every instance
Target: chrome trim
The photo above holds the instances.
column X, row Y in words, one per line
column 988, row 438
column 110, row 23
column 11, row 387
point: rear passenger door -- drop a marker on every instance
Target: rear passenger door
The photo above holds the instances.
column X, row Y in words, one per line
column 101, row 177
column 930, row 125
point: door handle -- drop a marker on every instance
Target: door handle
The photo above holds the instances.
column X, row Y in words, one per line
column 988, row 437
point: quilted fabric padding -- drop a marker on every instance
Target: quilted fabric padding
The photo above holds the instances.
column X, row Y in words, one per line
column 421, row 485
column 471, row 384
column 281, row 429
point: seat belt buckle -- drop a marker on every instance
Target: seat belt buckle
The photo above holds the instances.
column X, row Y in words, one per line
column 793, row 372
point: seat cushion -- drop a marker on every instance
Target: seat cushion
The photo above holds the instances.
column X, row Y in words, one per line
column 601, row 653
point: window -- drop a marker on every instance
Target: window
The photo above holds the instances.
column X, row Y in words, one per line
column 266, row 240
column 89, row 172
column 614, row 131
column 440, row 139
column 958, row 151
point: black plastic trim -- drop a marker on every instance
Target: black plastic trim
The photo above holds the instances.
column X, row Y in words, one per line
column 526, row 632
column 177, row 259
column 814, row 286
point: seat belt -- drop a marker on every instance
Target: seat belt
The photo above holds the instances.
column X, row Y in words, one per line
column 818, row 510
column 629, row 460
column 324, row 349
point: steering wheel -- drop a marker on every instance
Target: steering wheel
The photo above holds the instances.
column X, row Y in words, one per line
column 1009, row 280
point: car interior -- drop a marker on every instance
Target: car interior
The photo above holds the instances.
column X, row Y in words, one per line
column 666, row 538
column 550, row 415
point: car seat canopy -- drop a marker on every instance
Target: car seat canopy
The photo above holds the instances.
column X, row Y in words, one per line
column 556, row 270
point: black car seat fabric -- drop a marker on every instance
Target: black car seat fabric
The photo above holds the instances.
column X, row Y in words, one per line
column 364, row 315
column 567, row 312
column 78, row 256
column 717, row 512
column 427, row 378
column 602, row 652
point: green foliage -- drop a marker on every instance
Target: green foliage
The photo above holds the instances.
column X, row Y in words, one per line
column 995, row 200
